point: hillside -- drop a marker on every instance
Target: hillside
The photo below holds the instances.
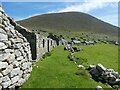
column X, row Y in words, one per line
column 69, row 22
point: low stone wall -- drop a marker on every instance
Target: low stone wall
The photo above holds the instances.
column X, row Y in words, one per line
column 15, row 54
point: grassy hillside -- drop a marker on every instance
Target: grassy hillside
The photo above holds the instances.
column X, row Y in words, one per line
column 57, row 71
column 69, row 22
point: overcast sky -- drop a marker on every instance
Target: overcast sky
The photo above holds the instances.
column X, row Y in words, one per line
column 106, row 10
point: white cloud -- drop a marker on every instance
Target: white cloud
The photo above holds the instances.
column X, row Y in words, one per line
column 83, row 6
column 88, row 5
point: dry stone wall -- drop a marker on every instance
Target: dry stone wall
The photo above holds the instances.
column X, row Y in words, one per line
column 18, row 48
column 15, row 54
column 38, row 43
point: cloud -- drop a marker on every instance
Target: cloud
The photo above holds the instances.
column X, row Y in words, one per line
column 88, row 5
column 85, row 6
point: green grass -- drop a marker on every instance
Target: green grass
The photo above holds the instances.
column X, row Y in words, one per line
column 57, row 71
column 105, row 54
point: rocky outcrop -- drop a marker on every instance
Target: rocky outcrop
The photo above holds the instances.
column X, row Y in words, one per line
column 15, row 54
column 100, row 73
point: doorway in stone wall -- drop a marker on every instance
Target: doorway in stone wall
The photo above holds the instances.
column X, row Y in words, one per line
column 48, row 46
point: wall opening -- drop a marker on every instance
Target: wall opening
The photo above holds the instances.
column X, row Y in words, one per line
column 43, row 43
column 51, row 42
column 48, row 46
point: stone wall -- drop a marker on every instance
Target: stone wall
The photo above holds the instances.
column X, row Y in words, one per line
column 44, row 45
column 38, row 43
column 15, row 54
column 18, row 48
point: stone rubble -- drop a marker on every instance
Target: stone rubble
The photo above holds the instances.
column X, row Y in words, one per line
column 100, row 73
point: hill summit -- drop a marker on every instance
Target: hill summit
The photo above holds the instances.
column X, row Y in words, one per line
column 69, row 21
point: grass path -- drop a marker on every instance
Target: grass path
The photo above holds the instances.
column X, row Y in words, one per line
column 57, row 71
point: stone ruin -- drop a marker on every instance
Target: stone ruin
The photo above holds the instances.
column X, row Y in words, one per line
column 38, row 43
column 15, row 55
column 18, row 48
column 100, row 73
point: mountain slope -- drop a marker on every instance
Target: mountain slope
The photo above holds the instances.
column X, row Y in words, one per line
column 69, row 21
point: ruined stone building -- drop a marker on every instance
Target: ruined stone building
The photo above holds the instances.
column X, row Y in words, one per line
column 18, row 48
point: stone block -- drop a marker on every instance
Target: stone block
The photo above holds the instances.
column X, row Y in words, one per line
column 2, row 26
column 112, row 77
column 1, row 20
column 1, row 76
column 100, row 68
column 12, row 31
column 3, row 65
column 17, row 53
column 2, row 45
column 5, row 23
column 15, row 79
column 99, row 88
column 16, row 63
column 12, row 87
column 2, row 31
column 1, row 14
column 19, row 40
column 15, row 72
column 0, row 87
column 118, row 81
column 6, row 71
column 8, row 44
column 17, row 46
column 25, row 66
column 19, row 58
column 11, row 58
column 5, row 79
column 26, row 76
column 3, row 37
column 20, row 82
column 6, row 84
column 94, row 72
column 81, row 66
column 20, row 73
column 91, row 67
